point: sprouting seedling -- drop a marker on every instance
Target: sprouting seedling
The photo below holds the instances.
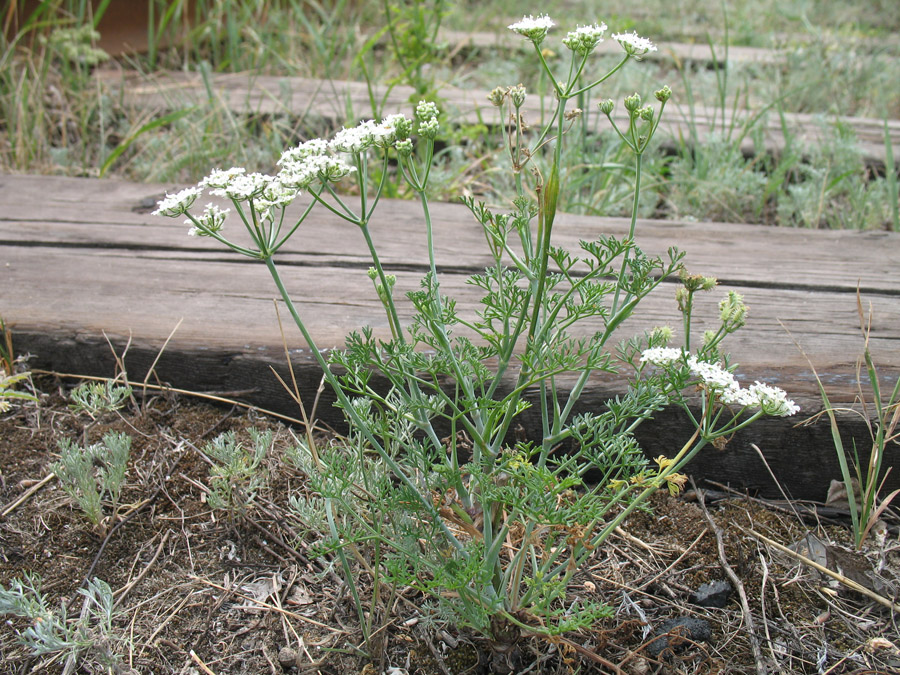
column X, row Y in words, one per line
column 93, row 475
column 96, row 398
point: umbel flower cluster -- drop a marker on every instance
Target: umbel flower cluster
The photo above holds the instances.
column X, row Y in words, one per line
column 584, row 39
column 301, row 167
column 722, row 383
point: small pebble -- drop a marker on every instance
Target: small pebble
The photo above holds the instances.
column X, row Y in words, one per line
column 714, row 594
column 674, row 635
column 287, row 657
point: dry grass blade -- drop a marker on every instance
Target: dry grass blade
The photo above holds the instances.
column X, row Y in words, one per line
column 27, row 495
column 196, row 659
column 176, row 390
column 269, row 606
column 849, row 583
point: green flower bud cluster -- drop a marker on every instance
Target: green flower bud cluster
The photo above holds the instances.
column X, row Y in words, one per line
column 383, row 294
column 427, row 114
column 733, row 311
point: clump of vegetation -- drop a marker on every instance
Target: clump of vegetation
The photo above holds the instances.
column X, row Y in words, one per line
column 863, row 482
column 85, row 640
column 491, row 529
column 237, row 472
column 98, row 398
column 93, row 475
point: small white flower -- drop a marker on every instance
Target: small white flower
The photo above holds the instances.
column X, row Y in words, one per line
column 661, row 356
column 584, row 39
column 276, row 195
column 220, row 179
column 315, row 146
column 211, row 220
column 772, row 400
column 634, row 44
column 177, row 204
column 300, row 175
column 244, row 187
column 713, row 375
column 535, row 29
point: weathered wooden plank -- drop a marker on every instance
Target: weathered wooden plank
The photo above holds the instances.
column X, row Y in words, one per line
column 79, row 263
column 331, row 99
column 741, row 255
column 87, row 256
column 680, row 51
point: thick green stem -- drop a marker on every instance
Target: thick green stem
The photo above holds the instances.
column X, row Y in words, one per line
column 634, row 214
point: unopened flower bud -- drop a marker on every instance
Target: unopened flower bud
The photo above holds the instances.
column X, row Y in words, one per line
column 663, row 95
column 632, row 102
column 429, row 128
column 402, row 126
column 606, row 107
column 646, row 113
column 733, row 311
column 426, row 110
column 517, row 95
column 661, row 334
column 404, row 147
column 496, row 96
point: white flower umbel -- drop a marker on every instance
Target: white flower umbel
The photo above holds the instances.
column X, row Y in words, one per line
column 400, row 128
column 634, row 44
column 772, row 400
column 311, row 148
column 276, row 195
column 220, row 179
column 723, row 384
column 535, row 29
column 584, row 39
column 662, row 356
column 211, row 220
column 713, row 375
column 244, row 187
column 177, row 204
column 300, row 175
column 355, row 139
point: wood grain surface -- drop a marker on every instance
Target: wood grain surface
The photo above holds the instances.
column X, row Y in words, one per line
column 83, row 261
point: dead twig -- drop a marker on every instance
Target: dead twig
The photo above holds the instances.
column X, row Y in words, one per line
column 27, row 495
column 115, row 528
column 761, row 667
column 120, row 594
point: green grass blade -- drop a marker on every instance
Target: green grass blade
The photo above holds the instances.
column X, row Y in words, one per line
column 124, row 145
column 890, row 175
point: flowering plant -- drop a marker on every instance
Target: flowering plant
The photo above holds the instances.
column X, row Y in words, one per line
column 490, row 526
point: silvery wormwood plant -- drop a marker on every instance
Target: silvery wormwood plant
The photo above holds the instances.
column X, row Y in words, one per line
column 490, row 527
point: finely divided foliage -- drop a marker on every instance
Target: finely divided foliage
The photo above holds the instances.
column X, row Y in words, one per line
column 490, row 527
